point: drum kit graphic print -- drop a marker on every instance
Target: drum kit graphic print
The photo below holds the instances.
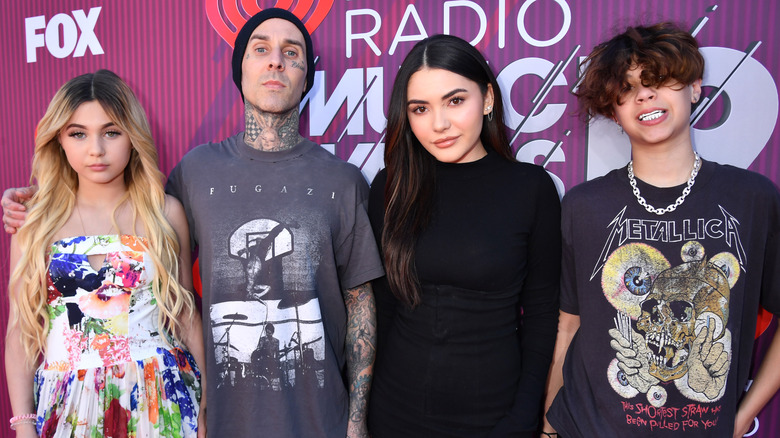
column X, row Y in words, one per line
column 271, row 338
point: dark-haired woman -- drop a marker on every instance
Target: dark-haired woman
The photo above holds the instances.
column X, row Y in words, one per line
column 471, row 244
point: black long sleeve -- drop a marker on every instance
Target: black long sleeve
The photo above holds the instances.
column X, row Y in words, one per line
column 474, row 356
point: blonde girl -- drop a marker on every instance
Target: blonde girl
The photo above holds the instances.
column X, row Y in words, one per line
column 103, row 337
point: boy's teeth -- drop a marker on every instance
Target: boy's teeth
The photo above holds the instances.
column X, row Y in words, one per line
column 651, row 115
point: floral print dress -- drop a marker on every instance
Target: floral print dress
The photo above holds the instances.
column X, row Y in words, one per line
column 107, row 369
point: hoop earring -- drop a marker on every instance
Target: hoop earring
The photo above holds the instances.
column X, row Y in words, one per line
column 490, row 116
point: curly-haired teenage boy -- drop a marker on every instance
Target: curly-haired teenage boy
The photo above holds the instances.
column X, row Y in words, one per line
column 665, row 263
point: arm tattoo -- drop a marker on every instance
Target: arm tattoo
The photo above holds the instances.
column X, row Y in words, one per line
column 361, row 348
column 269, row 131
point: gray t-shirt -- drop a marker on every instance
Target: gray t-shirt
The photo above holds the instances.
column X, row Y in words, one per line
column 279, row 236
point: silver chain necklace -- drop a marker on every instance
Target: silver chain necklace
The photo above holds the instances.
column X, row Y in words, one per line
column 678, row 202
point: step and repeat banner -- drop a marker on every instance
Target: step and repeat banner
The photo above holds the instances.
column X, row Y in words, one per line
column 176, row 56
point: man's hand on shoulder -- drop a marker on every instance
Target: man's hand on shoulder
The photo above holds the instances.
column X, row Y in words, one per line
column 14, row 212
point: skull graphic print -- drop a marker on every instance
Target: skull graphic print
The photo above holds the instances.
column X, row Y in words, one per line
column 671, row 321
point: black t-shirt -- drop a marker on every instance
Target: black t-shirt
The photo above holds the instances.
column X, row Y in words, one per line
column 667, row 303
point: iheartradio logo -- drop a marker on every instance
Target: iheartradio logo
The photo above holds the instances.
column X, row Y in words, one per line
column 228, row 16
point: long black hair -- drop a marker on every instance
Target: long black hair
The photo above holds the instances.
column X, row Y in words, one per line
column 410, row 168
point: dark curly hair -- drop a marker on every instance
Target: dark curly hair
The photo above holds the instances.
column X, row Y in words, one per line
column 665, row 53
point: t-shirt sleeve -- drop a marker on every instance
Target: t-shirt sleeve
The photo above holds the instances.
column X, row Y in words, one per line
column 770, row 281
column 176, row 188
column 357, row 256
column 173, row 186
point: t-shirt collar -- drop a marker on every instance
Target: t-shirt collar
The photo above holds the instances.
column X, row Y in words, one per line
column 288, row 154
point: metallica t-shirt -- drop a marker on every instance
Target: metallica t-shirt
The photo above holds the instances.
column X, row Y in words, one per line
column 667, row 303
column 279, row 235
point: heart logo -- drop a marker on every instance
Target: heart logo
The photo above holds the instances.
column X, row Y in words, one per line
column 227, row 19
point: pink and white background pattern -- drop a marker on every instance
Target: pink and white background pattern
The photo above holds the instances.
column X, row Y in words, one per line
column 176, row 56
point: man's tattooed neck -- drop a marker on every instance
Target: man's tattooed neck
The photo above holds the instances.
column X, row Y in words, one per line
column 270, row 132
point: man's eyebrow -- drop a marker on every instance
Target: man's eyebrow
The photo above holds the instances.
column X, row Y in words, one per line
column 294, row 43
column 287, row 41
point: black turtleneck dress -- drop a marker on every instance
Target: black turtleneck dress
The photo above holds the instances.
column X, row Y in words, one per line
column 472, row 359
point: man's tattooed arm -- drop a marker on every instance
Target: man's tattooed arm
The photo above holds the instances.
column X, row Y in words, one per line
column 361, row 350
column 271, row 132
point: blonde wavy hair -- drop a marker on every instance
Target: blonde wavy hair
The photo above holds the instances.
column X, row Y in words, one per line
column 53, row 203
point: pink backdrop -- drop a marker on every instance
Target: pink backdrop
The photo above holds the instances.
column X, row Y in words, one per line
column 176, row 56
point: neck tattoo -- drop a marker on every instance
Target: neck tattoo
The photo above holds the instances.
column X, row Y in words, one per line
column 671, row 207
column 271, row 132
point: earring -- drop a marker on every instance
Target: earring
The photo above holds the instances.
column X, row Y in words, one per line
column 489, row 109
